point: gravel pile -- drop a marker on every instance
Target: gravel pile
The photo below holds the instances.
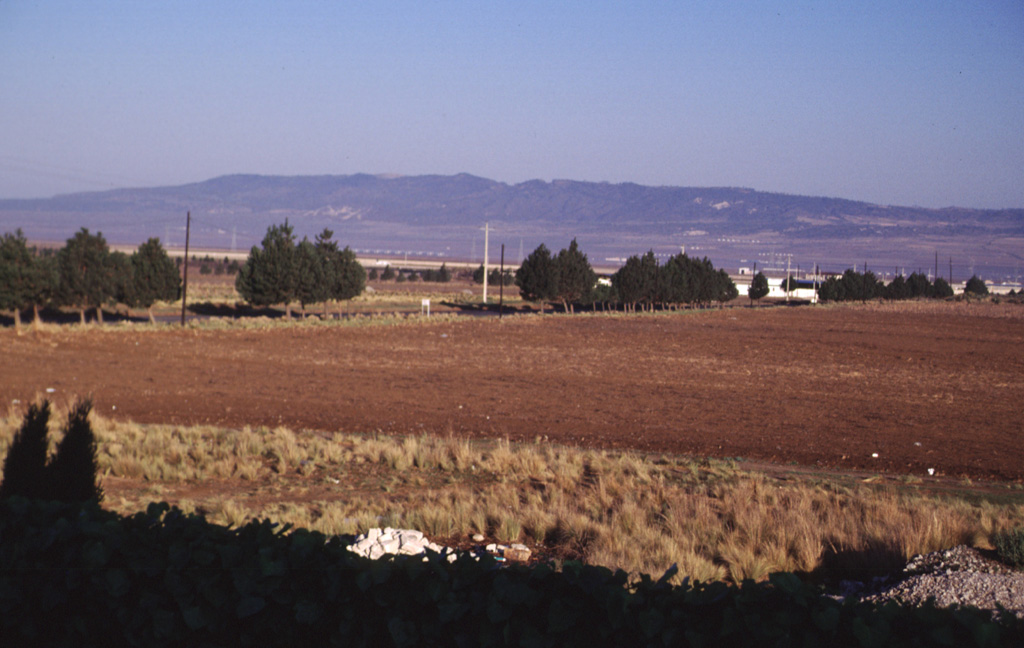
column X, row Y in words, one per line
column 957, row 576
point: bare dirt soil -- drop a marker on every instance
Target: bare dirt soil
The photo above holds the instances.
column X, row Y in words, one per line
column 921, row 385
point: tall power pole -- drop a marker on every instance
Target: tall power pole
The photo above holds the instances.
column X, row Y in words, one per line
column 184, row 287
column 486, row 232
column 789, row 260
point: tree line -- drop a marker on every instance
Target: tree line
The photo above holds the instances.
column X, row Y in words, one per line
column 84, row 274
column 282, row 271
column 568, row 277
column 441, row 275
column 862, row 286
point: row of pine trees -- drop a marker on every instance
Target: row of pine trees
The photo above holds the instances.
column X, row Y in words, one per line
column 642, row 282
column 282, row 271
column 83, row 274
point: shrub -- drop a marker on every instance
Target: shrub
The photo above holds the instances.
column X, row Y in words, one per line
column 1010, row 546
column 758, row 287
column 975, row 285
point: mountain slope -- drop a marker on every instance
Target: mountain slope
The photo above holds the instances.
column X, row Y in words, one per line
column 443, row 215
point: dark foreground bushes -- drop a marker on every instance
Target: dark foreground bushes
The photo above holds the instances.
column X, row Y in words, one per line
column 77, row 575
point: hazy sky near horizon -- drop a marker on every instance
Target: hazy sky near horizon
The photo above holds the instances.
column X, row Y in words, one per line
column 907, row 103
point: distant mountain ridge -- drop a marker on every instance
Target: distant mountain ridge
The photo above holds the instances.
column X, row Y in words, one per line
column 443, row 215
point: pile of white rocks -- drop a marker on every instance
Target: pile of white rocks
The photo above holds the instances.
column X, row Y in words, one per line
column 376, row 543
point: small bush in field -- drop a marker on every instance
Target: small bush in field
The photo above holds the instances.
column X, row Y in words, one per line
column 1010, row 546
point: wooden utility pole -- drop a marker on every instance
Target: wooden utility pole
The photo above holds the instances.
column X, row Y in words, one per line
column 501, row 283
column 486, row 232
column 814, row 299
column 789, row 259
column 184, row 286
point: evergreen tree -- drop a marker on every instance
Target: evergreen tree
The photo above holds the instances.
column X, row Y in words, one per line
column 830, row 289
column 25, row 463
column 708, row 284
column 898, row 289
column 852, row 286
column 537, row 278
column 313, row 272
column 349, row 275
column 155, row 277
column 123, row 289
column 85, row 273
column 44, row 283
column 496, row 277
column 388, row 274
column 941, row 289
column 444, row 274
column 633, row 282
column 626, row 282
column 478, row 274
column 574, row 276
column 26, row 280
column 269, row 276
column 919, row 285
column 676, row 281
column 727, row 290
column 976, row 286
column 602, row 294
column 758, row 287
column 788, row 284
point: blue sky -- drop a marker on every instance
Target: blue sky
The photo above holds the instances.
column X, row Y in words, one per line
column 909, row 103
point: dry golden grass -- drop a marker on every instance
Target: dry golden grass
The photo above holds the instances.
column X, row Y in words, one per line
column 623, row 510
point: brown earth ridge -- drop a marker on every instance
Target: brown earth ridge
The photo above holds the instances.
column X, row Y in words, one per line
column 922, row 386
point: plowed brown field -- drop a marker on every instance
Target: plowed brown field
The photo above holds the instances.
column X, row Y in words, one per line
column 922, row 385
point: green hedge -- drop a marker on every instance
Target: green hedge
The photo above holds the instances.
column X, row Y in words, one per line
column 79, row 575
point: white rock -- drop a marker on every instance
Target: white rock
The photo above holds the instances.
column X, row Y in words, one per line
column 411, row 537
